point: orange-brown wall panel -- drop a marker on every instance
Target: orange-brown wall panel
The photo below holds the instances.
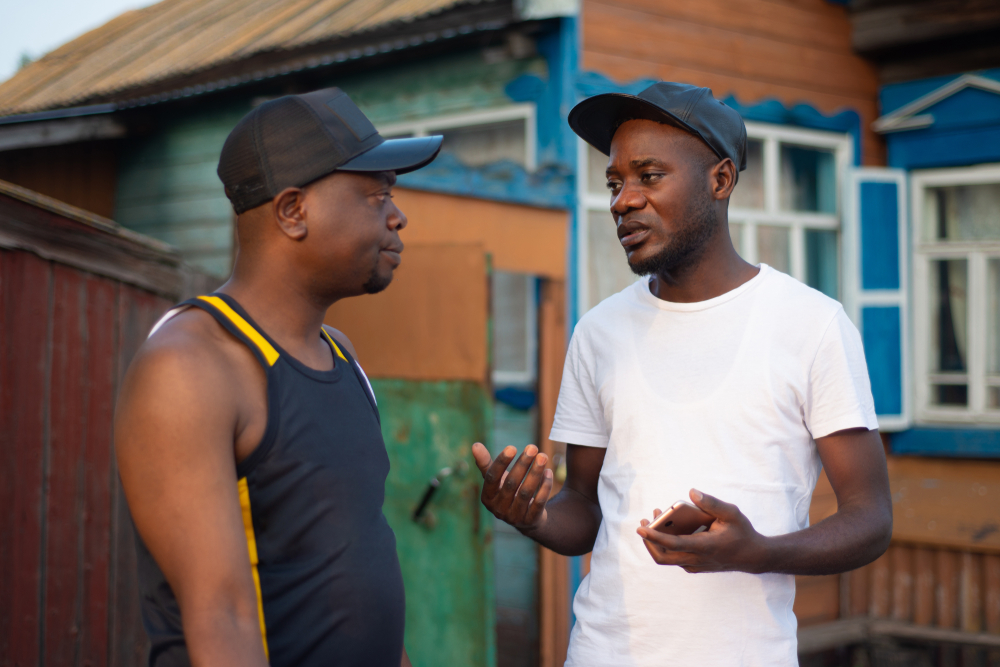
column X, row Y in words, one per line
column 519, row 238
column 793, row 51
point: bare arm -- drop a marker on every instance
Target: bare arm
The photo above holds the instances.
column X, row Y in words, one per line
column 858, row 533
column 174, row 435
column 566, row 524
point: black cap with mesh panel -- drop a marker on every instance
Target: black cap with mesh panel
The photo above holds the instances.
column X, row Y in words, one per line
column 296, row 139
column 597, row 118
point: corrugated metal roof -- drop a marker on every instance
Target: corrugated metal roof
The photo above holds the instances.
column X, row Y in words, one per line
column 179, row 37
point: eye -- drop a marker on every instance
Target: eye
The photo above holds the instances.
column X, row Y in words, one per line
column 613, row 185
column 651, row 176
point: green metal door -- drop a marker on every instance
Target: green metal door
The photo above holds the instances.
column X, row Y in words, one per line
column 447, row 556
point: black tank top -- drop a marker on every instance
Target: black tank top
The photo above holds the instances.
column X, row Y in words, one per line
column 323, row 557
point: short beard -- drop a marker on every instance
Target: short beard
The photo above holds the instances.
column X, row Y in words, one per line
column 375, row 282
column 687, row 245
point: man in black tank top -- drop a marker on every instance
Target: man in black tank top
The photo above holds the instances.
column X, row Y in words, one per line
column 247, row 435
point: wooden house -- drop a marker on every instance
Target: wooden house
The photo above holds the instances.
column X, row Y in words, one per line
column 872, row 176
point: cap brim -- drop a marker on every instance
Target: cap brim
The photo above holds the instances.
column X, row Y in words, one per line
column 596, row 118
column 398, row 155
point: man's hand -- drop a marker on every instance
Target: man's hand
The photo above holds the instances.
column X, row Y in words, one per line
column 517, row 496
column 856, row 535
column 730, row 545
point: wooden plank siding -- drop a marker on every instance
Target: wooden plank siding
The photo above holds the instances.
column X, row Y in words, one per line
column 795, row 51
column 168, row 187
column 67, row 549
column 81, row 174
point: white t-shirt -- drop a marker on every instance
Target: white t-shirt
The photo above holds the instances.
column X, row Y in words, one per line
column 725, row 396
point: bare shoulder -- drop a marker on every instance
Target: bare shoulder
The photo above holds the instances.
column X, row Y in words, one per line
column 342, row 339
column 187, row 366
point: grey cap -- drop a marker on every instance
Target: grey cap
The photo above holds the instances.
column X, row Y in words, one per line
column 297, row 139
column 691, row 108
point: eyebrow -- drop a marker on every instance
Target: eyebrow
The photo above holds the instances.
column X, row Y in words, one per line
column 639, row 163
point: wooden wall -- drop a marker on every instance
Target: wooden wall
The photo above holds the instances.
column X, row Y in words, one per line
column 67, row 553
column 795, row 51
column 82, row 174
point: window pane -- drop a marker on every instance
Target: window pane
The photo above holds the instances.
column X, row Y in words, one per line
column 749, row 191
column 736, row 234
column 993, row 398
column 949, row 328
column 772, row 246
column 808, row 180
column 512, row 320
column 477, row 145
column 597, row 165
column 993, row 315
column 821, row 260
column 962, row 213
column 608, row 266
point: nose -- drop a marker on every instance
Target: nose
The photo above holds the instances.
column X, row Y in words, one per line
column 397, row 219
column 629, row 198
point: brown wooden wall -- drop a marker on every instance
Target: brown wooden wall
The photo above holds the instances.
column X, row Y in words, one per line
column 70, row 321
column 795, row 51
column 82, row 174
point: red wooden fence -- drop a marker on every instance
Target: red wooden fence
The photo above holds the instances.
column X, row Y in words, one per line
column 77, row 296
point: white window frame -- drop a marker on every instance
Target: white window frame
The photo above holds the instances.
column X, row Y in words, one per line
column 772, row 136
column 426, row 126
column 529, row 375
column 977, row 253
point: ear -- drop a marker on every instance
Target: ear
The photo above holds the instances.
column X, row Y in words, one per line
column 290, row 213
column 723, row 178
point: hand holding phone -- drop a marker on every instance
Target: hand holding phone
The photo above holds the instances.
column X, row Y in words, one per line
column 682, row 518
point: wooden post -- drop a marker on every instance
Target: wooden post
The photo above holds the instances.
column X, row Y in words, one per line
column 880, row 585
column 991, row 571
column 946, row 591
column 553, row 569
column 970, row 592
column 923, row 590
column 858, row 591
column 902, row 583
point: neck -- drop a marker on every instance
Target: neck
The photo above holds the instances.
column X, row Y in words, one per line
column 719, row 269
column 280, row 303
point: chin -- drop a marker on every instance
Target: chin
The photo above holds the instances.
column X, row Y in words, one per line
column 377, row 282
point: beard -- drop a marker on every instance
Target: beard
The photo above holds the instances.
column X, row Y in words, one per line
column 376, row 282
column 686, row 245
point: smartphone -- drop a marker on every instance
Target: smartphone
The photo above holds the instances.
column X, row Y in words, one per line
column 682, row 518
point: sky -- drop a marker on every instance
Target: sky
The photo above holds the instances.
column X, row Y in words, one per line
column 36, row 27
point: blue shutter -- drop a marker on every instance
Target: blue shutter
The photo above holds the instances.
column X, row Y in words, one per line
column 876, row 276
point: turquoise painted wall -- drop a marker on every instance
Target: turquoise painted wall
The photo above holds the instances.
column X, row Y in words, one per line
column 168, row 188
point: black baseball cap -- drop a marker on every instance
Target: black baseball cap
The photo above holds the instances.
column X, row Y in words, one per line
column 680, row 104
column 297, row 139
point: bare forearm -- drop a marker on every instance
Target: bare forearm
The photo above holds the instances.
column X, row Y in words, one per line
column 223, row 638
column 845, row 541
column 571, row 524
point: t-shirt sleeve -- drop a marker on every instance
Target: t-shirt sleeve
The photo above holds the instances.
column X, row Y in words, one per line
column 579, row 418
column 840, row 393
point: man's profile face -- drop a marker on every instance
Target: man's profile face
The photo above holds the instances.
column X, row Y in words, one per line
column 660, row 181
column 354, row 229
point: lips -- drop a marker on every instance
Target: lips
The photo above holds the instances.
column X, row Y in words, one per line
column 392, row 254
column 631, row 234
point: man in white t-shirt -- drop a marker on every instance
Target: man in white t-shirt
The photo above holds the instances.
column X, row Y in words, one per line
column 711, row 379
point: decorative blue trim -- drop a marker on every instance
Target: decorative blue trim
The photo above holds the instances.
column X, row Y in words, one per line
column 957, row 443
column 881, row 333
column 766, row 111
column 965, row 128
column 548, row 187
column 879, row 236
column 515, row 397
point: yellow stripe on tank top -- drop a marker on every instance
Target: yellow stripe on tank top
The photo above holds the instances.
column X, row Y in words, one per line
column 252, row 546
column 335, row 347
column 266, row 348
